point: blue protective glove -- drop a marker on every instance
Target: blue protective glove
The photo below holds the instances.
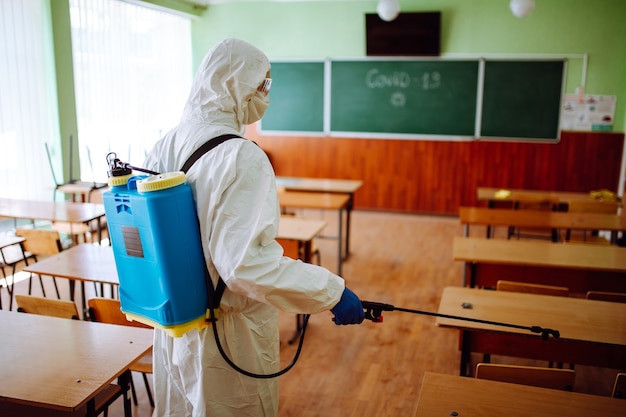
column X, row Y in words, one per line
column 349, row 309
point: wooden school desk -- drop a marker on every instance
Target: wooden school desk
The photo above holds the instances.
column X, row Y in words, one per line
column 53, row 211
column 55, row 364
column 325, row 185
column 320, row 201
column 86, row 262
column 301, row 233
column 80, row 189
column 556, row 220
column 446, row 395
column 591, row 332
column 580, row 267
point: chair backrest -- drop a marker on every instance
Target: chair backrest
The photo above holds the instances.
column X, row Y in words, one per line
column 46, row 306
column 590, row 206
column 291, row 248
column 616, row 297
column 619, row 388
column 108, row 310
column 536, row 202
column 503, row 285
column 40, row 241
column 554, row 378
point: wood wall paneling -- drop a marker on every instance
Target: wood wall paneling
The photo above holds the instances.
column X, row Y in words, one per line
column 436, row 176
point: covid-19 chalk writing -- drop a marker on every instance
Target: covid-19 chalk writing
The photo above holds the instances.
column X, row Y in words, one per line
column 374, row 78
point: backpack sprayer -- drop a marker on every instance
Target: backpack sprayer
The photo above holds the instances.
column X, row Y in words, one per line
column 164, row 280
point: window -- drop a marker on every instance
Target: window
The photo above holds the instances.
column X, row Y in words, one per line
column 132, row 72
column 28, row 107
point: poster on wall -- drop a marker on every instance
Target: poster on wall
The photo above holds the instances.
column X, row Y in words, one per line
column 588, row 112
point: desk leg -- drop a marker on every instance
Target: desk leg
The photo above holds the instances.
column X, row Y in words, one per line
column 470, row 269
column 305, row 254
column 91, row 408
column 465, row 353
column 340, row 245
column 124, row 382
column 84, row 301
column 299, row 324
column 349, row 206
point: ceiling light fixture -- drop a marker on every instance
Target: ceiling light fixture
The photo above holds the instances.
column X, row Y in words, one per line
column 388, row 9
column 522, row 8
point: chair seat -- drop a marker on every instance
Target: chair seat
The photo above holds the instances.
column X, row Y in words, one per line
column 13, row 255
column 143, row 364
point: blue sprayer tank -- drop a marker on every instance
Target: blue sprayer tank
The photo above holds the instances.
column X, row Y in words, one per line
column 155, row 237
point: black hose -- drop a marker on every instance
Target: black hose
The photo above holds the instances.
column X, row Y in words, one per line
column 252, row 374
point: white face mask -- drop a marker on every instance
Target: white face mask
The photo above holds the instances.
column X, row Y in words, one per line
column 255, row 109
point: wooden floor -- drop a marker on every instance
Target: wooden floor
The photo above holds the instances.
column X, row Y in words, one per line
column 375, row 369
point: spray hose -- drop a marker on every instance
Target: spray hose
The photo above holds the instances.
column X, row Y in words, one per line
column 374, row 311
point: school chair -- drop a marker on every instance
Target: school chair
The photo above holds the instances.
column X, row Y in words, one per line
column 40, row 242
column 554, row 378
column 46, row 306
column 619, row 388
column 514, row 286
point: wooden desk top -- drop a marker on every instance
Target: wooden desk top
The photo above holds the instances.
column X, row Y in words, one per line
column 576, row 319
column 442, row 394
column 326, row 185
column 294, row 228
column 542, row 219
column 536, row 253
column 81, row 187
column 493, row 194
column 312, row 200
column 51, row 210
column 84, row 262
column 60, row 363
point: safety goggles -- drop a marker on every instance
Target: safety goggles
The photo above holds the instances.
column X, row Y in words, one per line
column 264, row 88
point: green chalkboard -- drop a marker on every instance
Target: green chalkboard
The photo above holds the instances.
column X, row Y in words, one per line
column 296, row 98
column 433, row 97
column 522, row 99
column 415, row 97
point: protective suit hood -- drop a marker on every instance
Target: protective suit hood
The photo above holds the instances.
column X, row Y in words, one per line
column 224, row 83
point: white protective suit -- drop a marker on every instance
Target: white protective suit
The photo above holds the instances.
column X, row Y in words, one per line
column 235, row 192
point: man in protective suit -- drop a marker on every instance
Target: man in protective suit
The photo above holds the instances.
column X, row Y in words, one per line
column 236, row 199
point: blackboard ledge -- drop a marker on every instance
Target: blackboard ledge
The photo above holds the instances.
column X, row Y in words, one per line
column 290, row 133
column 520, row 139
column 401, row 136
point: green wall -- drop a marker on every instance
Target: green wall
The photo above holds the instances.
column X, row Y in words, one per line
column 336, row 28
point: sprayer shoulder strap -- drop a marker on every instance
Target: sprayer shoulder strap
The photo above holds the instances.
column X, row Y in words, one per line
column 206, row 147
column 215, row 293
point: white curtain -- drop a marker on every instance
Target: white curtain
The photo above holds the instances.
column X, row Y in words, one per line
column 132, row 71
column 28, row 107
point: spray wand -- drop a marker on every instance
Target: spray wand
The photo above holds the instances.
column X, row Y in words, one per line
column 374, row 311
